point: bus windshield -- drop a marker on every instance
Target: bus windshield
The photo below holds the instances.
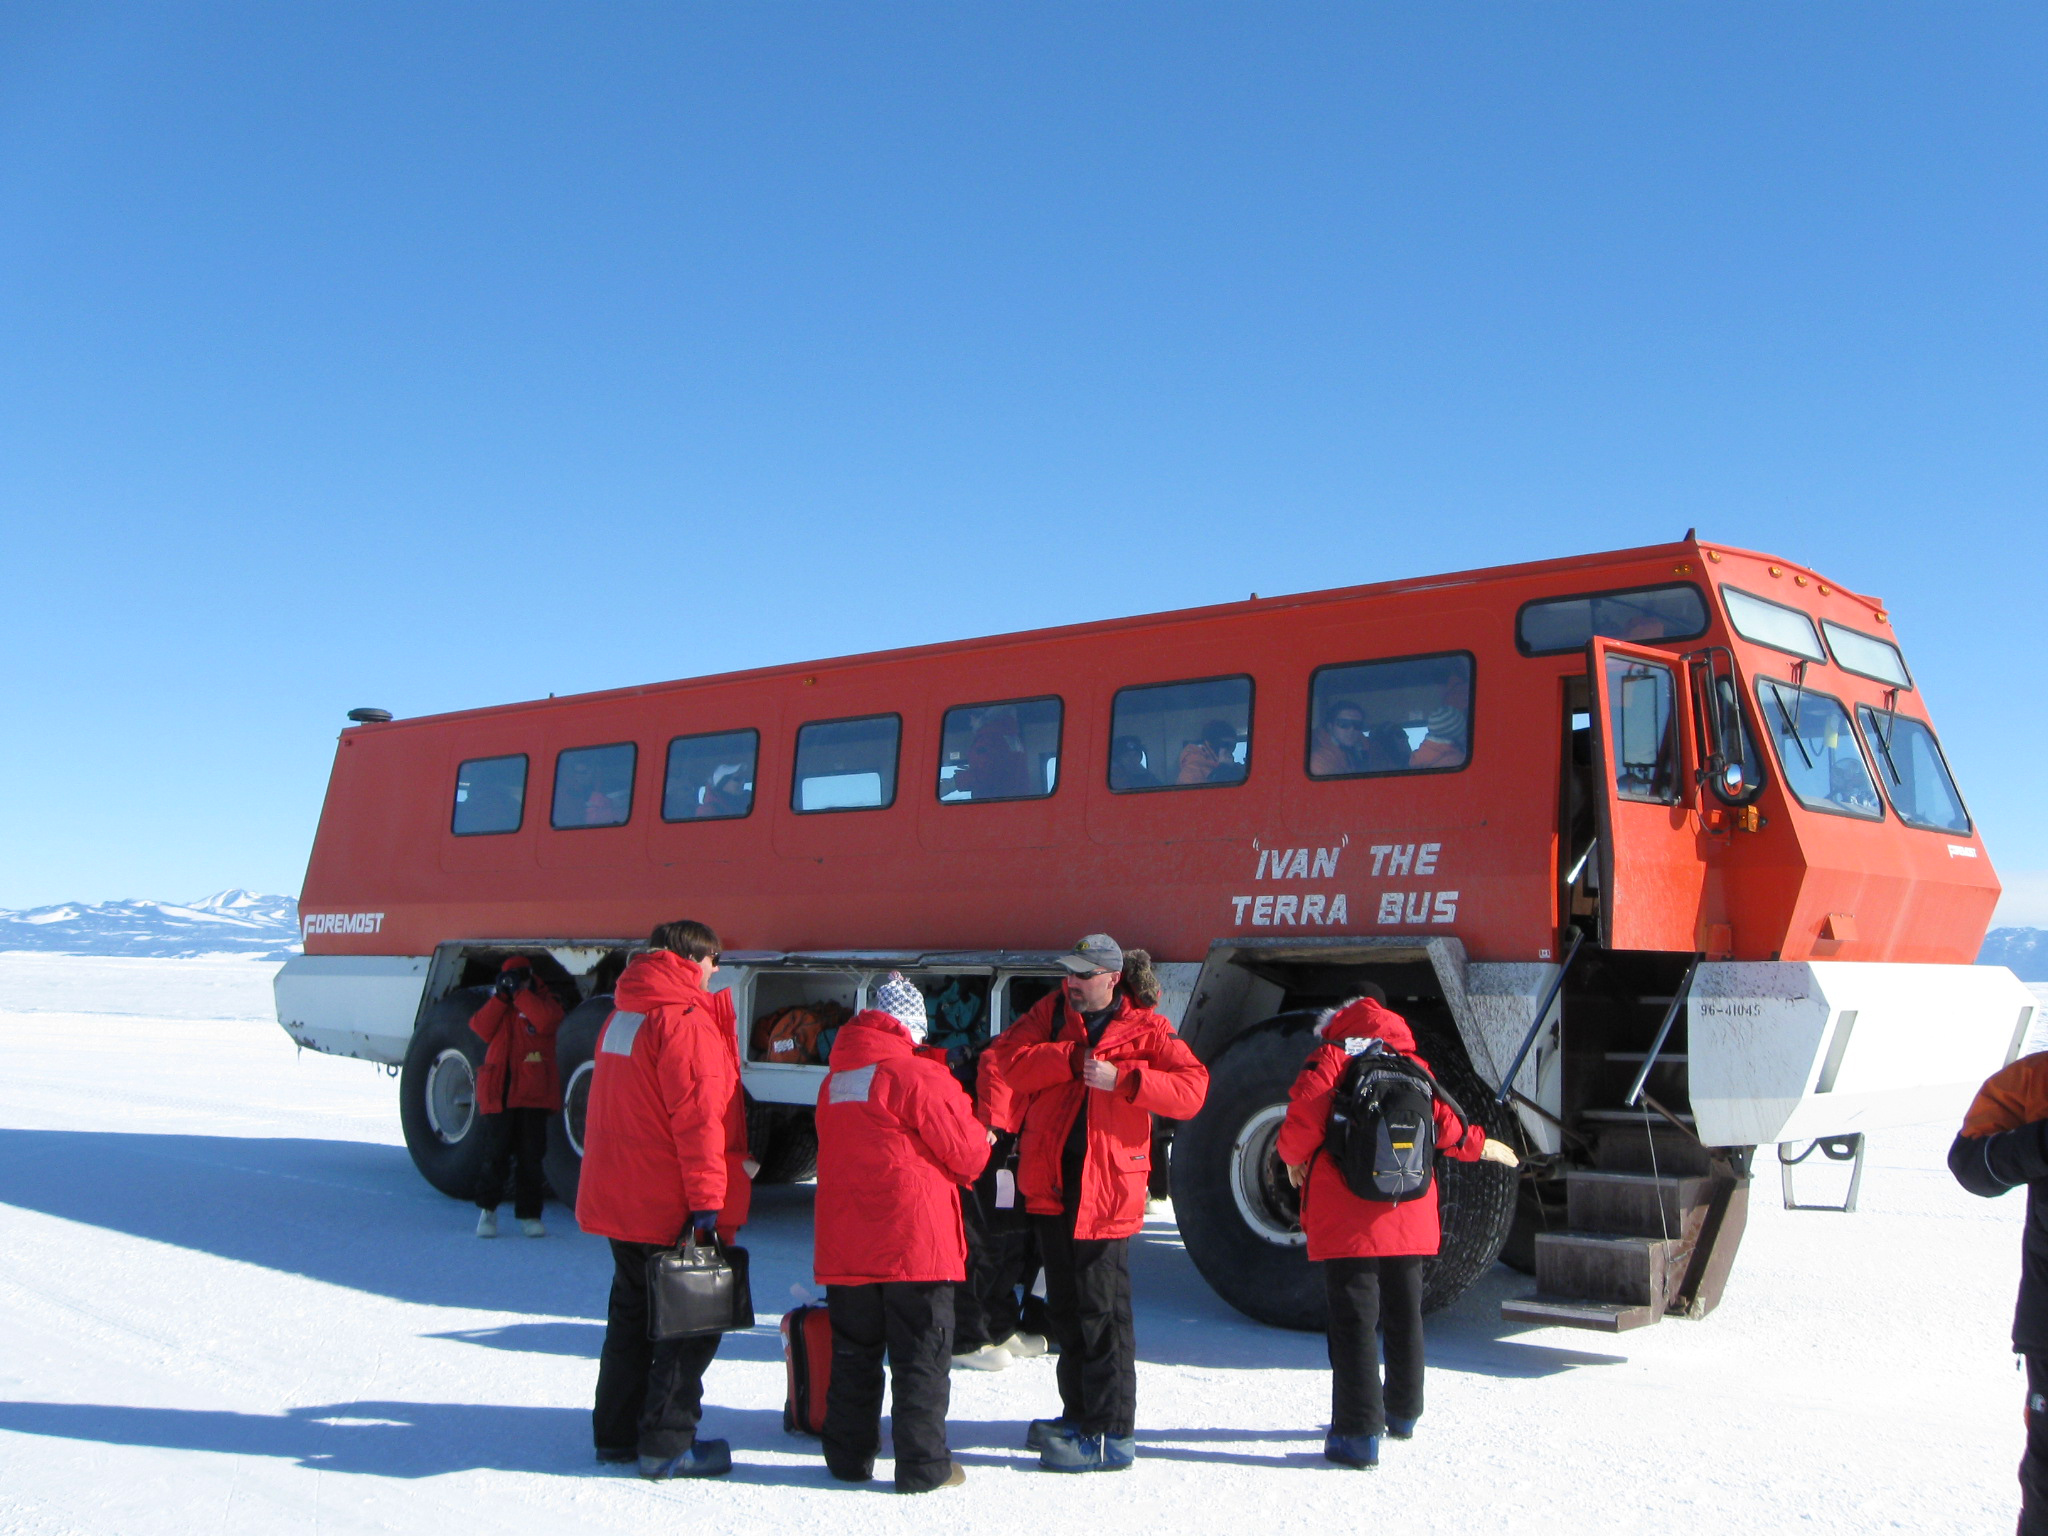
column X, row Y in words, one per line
column 1817, row 750
column 1914, row 774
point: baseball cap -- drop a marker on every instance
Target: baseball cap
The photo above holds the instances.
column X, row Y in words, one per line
column 1097, row 952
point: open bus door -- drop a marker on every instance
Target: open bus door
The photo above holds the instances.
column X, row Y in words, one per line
column 1652, row 877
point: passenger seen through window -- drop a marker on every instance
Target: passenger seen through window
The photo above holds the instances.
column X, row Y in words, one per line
column 1181, row 735
column 1007, row 751
column 594, row 786
column 710, row 777
column 1400, row 716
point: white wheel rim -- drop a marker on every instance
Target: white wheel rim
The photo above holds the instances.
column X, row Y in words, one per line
column 1253, row 1161
column 451, row 1096
column 576, row 1104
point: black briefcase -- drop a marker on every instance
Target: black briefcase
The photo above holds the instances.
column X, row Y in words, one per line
column 697, row 1288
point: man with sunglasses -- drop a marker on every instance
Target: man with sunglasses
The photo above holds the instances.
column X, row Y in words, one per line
column 1338, row 746
column 664, row 1153
column 1085, row 1070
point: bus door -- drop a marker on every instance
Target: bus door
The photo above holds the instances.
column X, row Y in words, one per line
column 1652, row 876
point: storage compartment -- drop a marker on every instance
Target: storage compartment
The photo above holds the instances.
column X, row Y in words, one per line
column 795, row 1014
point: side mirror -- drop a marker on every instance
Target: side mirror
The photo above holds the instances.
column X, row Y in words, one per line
column 1733, row 781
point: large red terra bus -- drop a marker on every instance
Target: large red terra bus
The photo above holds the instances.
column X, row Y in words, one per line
column 1663, row 833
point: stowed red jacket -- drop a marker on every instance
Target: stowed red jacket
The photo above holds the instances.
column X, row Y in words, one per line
column 1041, row 1072
column 897, row 1137
column 1339, row 1224
column 666, row 1132
column 519, row 1065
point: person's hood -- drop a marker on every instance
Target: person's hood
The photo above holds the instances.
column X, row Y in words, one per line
column 1368, row 1020
column 658, row 979
column 868, row 1037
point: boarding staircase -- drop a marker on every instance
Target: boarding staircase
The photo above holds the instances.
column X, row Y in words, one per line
column 1649, row 1218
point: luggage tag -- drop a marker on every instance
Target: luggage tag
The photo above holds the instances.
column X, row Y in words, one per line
column 1006, row 1190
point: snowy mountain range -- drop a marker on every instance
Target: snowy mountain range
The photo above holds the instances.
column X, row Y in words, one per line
column 267, row 927
column 2024, row 949
column 230, row 923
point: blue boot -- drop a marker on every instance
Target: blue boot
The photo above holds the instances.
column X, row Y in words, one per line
column 705, row 1458
column 1071, row 1451
column 1361, row 1451
column 1044, row 1431
column 1400, row 1429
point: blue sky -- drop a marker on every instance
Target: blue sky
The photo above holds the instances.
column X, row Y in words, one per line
column 432, row 356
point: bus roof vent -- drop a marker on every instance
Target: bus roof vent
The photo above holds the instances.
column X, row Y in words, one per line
column 369, row 716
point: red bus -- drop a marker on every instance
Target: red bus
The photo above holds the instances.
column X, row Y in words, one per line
column 1657, row 848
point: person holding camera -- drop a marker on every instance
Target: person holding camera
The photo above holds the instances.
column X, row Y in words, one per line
column 664, row 1153
column 1086, row 1072
column 516, row 1091
column 1372, row 1251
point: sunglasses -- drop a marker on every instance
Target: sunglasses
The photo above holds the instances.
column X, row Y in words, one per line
column 1347, row 724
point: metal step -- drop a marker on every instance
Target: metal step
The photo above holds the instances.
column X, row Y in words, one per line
column 1621, row 1144
column 1635, row 1204
column 1597, row 1266
column 1629, row 1116
column 1564, row 1312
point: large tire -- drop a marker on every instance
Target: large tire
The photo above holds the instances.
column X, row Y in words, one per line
column 1240, row 1219
column 575, row 1045
column 1238, row 1216
column 1475, row 1201
column 783, row 1139
column 437, row 1094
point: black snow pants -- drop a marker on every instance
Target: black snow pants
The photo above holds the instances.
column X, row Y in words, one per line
column 514, row 1144
column 1001, row 1257
column 1088, row 1303
column 2034, row 1465
column 1367, row 1296
column 911, row 1322
column 649, row 1396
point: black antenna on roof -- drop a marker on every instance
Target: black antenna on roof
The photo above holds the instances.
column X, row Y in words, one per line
column 1690, row 535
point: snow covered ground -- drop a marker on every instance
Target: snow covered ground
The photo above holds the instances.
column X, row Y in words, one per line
column 228, row 1304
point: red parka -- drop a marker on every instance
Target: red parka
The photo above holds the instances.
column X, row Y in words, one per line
column 519, row 1065
column 666, row 1132
column 1339, row 1224
column 897, row 1138
column 1041, row 1070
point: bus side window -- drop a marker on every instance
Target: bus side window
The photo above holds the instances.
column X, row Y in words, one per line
column 1406, row 715
column 490, row 795
column 594, row 786
column 710, row 777
column 1004, row 751
column 846, row 765
column 1181, row 735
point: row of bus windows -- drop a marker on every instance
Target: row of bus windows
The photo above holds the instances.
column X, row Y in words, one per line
column 1553, row 626
column 1412, row 715
column 1825, row 765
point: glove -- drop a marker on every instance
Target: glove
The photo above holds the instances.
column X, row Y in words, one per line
column 1499, row 1152
column 704, row 1225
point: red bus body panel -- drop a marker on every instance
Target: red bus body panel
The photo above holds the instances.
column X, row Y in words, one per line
column 1471, row 853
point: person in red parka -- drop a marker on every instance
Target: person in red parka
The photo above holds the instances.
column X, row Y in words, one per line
column 664, row 1153
column 516, row 1092
column 1372, row 1251
column 1086, row 1072
column 897, row 1137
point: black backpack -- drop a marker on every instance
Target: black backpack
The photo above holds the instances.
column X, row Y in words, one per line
column 1382, row 1128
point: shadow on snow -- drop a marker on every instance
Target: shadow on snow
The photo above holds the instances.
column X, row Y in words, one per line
column 356, row 1214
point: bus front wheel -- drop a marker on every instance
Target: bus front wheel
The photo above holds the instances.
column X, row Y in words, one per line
column 437, row 1094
